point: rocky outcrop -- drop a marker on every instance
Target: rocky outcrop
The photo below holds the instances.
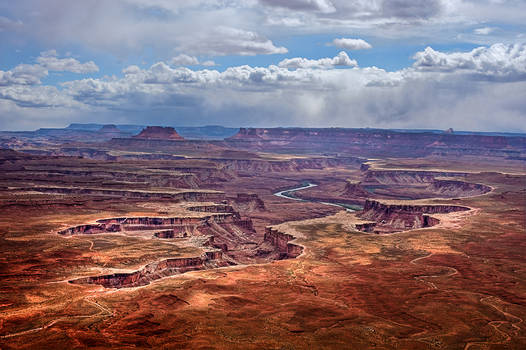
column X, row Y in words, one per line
column 354, row 190
column 139, row 178
column 188, row 196
column 168, row 234
column 288, row 165
column 366, row 227
column 86, row 152
column 245, row 224
column 281, row 241
column 420, row 184
column 176, row 224
column 247, row 202
column 157, row 270
column 213, row 208
column 377, row 206
column 205, row 174
column 159, row 132
column 400, row 217
column 222, row 232
column 405, row 177
column 163, row 147
column 454, row 188
column 110, row 131
column 92, row 229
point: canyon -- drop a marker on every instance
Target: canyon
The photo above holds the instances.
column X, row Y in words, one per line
column 267, row 238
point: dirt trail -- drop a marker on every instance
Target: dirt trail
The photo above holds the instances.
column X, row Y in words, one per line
column 105, row 312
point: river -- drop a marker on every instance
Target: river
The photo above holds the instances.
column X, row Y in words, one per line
column 289, row 194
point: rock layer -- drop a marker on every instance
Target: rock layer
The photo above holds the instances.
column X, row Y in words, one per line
column 281, row 241
column 157, row 270
column 400, row 217
column 375, row 142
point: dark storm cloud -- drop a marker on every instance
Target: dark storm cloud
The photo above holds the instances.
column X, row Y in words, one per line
column 411, row 9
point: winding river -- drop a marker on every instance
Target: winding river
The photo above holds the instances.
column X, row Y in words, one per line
column 289, row 194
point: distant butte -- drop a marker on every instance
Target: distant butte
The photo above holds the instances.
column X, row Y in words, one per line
column 111, row 130
column 159, row 132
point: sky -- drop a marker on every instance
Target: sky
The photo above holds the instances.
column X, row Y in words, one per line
column 420, row 64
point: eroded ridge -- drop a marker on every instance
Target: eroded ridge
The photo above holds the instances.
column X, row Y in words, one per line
column 420, row 184
column 194, row 195
column 157, row 270
column 397, row 184
column 281, row 241
column 176, row 224
column 388, row 217
column 225, row 237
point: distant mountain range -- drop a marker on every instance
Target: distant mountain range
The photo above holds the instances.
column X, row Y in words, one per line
column 217, row 132
column 94, row 132
column 208, row 132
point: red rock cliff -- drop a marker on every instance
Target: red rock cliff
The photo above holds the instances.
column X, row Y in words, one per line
column 159, row 132
column 399, row 217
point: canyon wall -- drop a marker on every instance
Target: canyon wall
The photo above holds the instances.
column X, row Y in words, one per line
column 375, row 142
column 390, row 217
column 281, row 241
column 188, row 196
column 157, row 270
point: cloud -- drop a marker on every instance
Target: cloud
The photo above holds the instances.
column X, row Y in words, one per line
column 23, row 74
column 196, row 27
column 31, row 74
column 323, row 6
column 411, row 9
column 186, row 60
column 50, row 61
column 309, row 96
column 341, row 60
column 499, row 61
column 440, row 91
column 351, row 44
column 36, row 96
column 483, row 30
column 244, row 27
column 208, row 63
column 9, row 24
column 227, row 41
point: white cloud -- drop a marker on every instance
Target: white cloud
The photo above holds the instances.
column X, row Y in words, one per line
column 208, row 63
column 30, row 74
column 227, row 41
column 311, row 96
column 342, row 60
column 499, row 61
column 23, row 74
column 186, row 60
column 484, row 30
column 36, row 96
column 50, row 61
column 131, row 70
column 323, row 6
column 351, row 44
column 444, row 87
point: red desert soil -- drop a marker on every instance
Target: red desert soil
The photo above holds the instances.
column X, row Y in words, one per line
column 197, row 252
